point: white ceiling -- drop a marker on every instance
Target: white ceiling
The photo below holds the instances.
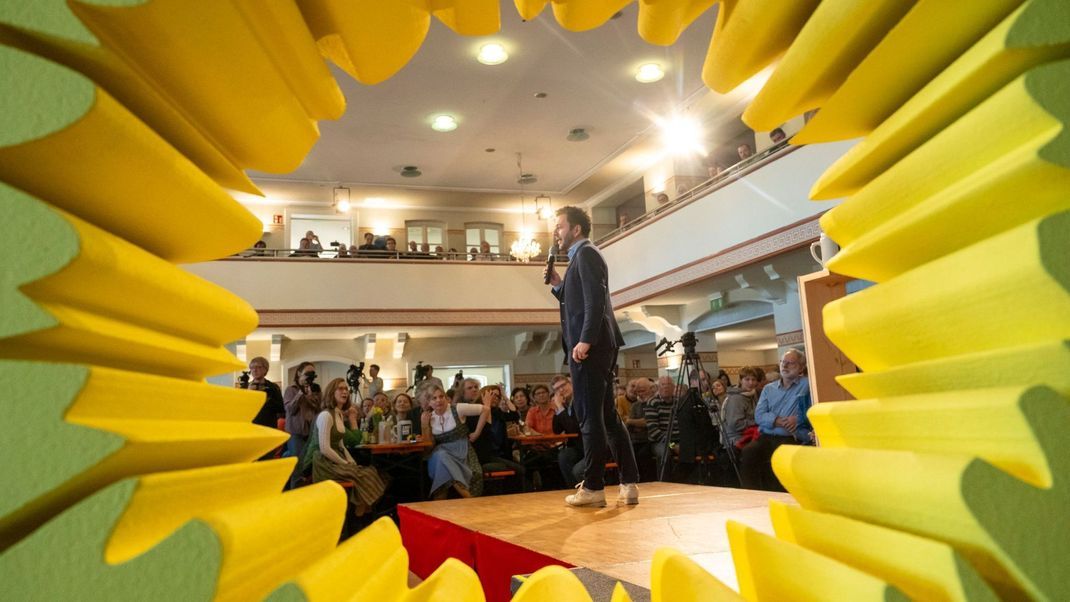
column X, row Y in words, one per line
column 589, row 81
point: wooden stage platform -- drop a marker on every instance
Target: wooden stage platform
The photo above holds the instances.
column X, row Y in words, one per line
column 618, row 541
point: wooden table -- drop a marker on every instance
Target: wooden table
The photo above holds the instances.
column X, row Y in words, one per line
column 537, row 447
column 397, row 459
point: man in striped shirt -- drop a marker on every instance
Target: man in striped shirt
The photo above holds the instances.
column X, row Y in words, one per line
column 657, row 412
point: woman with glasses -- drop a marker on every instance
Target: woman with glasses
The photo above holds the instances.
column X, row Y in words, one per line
column 329, row 457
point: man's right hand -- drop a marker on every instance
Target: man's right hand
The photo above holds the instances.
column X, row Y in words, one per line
column 555, row 278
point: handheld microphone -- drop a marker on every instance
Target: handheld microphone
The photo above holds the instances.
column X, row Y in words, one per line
column 550, row 258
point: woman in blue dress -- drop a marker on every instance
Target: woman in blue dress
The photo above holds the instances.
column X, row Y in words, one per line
column 451, row 463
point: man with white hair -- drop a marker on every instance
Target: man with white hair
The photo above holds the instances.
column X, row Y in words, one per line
column 777, row 420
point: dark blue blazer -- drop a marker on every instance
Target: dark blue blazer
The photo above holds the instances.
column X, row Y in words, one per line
column 586, row 311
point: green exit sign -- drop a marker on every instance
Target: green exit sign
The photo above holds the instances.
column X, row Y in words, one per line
column 717, row 304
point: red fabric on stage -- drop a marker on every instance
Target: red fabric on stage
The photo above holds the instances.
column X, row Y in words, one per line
column 497, row 561
column 430, row 541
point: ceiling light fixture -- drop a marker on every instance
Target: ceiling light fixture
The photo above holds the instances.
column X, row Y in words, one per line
column 577, row 135
column 544, row 210
column 410, row 171
column 682, row 135
column 525, row 247
column 443, row 123
column 648, row 73
column 492, row 54
column 341, row 199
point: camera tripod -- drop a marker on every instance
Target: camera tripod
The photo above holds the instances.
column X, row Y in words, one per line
column 698, row 391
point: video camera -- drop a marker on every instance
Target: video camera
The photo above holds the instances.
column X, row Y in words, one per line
column 458, row 378
column 422, row 371
column 243, row 380
column 353, row 375
column 310, row 377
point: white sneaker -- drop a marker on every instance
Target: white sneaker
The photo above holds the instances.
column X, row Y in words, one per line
column 629, row 494
column 586, row 497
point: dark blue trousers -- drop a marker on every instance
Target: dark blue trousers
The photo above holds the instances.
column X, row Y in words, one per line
column 602, row 430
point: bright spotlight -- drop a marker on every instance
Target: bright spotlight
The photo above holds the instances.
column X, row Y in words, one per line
column 683, row 135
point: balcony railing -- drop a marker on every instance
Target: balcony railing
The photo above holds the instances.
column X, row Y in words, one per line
column 729, row 175
column 332, row 254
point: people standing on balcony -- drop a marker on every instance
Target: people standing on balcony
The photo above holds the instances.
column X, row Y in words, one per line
column 473, row 253
column 392, row 247
column 413, row 249
column 302, row 402
column 744, row 151
column 368, row 248
column 314, row 246
column 343, row 252
column 777, row 418
column 327, row 453
column 453, row 462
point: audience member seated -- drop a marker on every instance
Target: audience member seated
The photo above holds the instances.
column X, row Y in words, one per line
column 493, row 446
column 404, row 412
column 473, row 254
column 540, row 417
column 382, row 402
column 343, row 252
column 625, row 398
column 723, row 377
column 484, row 252
column 804, row 431
column 260, row 249
column 413, row 249
column 468, row 392
column 314, row 246
column 329, row 457
column 521, row 403
column 645, row 389
column 302, row 402
column 777, row 135
column 570, row 455
column 391, row 247
column 719, row 394
column 777, row 418
column 453, row 462
column 737, row 410
column 366, row 406
column 657, row 412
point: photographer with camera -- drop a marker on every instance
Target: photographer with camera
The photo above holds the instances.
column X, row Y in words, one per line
column 273, row 409
column 302, row 403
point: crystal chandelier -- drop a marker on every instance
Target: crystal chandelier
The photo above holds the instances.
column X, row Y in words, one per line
column 525, row 247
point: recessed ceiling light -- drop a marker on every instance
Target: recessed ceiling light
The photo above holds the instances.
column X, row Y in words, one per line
column 443, row 123
column 492, row 54
column 489, row 150
column 410, row 171
column 577, row 135
column 649, row 72
column 541, row 95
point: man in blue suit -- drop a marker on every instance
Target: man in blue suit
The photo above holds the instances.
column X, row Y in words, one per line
column 591, row 338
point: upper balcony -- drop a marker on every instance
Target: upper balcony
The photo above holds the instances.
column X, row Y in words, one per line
column 744, row 216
